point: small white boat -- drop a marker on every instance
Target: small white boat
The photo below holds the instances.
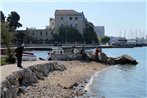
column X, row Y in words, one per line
column 28, row 56
column 56, row 50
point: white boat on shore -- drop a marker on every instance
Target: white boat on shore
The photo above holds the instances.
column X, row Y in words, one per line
column 28, row 56
column 56, row 50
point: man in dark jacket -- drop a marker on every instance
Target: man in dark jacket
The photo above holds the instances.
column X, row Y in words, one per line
column 19, row 52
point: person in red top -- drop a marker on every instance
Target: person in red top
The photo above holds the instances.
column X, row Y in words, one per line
column 97, row 54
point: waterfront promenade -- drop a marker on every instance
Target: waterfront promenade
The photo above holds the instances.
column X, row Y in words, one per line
column 10, row 68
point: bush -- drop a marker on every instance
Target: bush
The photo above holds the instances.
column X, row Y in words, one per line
column 3, row 61
column 11, row 60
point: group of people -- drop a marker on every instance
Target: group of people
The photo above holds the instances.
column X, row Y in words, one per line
column 82, row 51
column 98, row 52
column 19, row 52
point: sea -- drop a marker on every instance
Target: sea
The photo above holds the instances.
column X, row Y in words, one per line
column 118, row 81
column 122, row 81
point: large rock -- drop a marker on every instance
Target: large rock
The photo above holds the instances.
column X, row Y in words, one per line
column 18, row 81
column 111, row 61
column 66, row 57
column 125, row 59
column 90, row 55
column 103, row 57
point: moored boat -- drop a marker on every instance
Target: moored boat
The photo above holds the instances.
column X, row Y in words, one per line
column 28, row 56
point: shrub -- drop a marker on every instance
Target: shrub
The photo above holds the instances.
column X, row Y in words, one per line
column 11, row 60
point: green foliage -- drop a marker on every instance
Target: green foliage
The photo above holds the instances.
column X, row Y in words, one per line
column 10, row 59
column 68, row 33
column 2, row 17
column 22, row 37
column 105, row 39
column 6, row 36
column 3, row 61
column 13, row 19
column 89, row 33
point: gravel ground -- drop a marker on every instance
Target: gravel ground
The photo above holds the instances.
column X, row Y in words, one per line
column 64, row 84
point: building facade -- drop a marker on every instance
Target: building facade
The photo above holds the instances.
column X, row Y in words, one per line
column 69, row 18
column 38, row 35
column 100, row 31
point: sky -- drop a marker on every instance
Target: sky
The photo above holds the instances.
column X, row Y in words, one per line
column 119, row 18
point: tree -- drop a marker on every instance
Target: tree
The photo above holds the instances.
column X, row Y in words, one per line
column 22, row 37
column 89, row 33
column 2, row 17
column 6, row 37
column 13, row 19
column 105, row 39
column 69, row 34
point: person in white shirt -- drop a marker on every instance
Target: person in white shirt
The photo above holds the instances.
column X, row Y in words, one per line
column 75, row 51
column 48, row 58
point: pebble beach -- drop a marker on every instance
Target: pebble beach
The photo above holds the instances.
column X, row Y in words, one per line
column 69, row 83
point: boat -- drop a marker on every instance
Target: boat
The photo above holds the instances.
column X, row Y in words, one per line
column 28, row 56
column 122, row 43
column 56, row 50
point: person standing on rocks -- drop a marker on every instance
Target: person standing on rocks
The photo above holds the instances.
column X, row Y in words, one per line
column 97, row 54
column 18, row 54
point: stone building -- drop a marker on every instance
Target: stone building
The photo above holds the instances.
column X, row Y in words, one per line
column 39, row 35
column 100, row 31
column 68, row 18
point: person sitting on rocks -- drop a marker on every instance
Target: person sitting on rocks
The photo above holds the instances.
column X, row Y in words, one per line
column 48, row 58
column 73, row 47
column 75, row 51
column 83, row 53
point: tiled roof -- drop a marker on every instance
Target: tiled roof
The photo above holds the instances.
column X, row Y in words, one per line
column 67, row 12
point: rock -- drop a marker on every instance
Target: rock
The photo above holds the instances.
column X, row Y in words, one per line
column 74, row 85
column 59, row 67
column 67, row 57
column 125, row 59
column 90, row 55
column 18, row 80
column 111, row 61
column 103, row 57
column 23, row 89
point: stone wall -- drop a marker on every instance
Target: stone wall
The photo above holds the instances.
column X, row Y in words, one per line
column 17, row 81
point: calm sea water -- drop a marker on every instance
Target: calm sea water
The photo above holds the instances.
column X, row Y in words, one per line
column 123, row 81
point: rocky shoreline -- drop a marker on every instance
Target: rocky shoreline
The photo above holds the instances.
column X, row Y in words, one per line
column 69, row 83
column 64, row 77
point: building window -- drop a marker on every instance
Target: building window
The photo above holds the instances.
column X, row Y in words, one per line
column 70, row 25
column 52, row 23
column 40, row 32
column 76, row 25
column 76, row 18
column 46, row 32
column 61, row 25
column 33, row 33
column 61, row 18
column 70, row 18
